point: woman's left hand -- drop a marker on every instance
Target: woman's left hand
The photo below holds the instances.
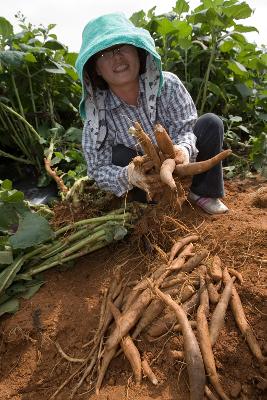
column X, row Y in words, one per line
column 181, row 154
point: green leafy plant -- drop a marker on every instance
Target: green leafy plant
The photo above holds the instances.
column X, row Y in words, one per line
column 39, row 92
column 26, row 228
column 224, row 72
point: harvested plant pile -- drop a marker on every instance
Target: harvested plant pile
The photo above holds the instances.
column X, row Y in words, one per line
column 187, row 294
column 67, row 244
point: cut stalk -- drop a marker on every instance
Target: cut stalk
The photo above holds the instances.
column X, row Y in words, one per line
column 8, row 274
column 103, row 218
column 64, row 242
column 62, row 256
column 82, row 253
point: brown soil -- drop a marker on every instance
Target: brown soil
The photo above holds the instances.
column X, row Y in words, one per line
column 66, row 310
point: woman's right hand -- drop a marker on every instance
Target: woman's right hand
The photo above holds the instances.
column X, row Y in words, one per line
column 144, row 179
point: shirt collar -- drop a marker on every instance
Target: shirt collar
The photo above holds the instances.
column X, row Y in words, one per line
column 113, row 101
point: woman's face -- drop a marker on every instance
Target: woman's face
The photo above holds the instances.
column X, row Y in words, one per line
column 118, row 65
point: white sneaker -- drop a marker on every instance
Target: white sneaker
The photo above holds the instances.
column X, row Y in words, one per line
column 208, row 204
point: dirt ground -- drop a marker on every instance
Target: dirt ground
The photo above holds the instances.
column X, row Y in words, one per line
column 66, row 310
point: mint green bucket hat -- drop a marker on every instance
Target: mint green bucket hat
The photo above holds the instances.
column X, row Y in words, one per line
column 109, row 30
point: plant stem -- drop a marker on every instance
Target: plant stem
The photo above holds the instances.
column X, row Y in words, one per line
column 2, row 120
column 87, row 250
column 32, row 97
column 21, row 118
column 207, row 75
column 8, row 274
column 61, row 258
column 63, row 243
column 51, row 108
column 108, row 217
column 22, row 160
column 17, row 138
column 17, row 94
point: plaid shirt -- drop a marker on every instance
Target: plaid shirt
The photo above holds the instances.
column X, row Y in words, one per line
column 175, row 111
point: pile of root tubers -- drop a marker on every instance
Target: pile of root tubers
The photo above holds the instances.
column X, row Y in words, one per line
column 163, row 155
column 174, row 297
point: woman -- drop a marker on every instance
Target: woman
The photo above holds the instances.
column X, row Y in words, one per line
column 122, row 81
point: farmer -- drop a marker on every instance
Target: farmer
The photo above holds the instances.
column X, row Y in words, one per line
column 122, row 82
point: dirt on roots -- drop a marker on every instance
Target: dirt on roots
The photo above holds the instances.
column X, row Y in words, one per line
column 66, row 309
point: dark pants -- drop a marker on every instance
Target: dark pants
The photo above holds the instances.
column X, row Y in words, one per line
column 209, row 132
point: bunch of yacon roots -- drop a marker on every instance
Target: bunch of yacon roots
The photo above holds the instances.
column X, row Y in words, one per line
column 163, row 154
column 180, row 289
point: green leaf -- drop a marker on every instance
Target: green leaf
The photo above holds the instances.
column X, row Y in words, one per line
column 57, row 130
column 227, row 45
column 243, row 128
column 55, row 70
column 33, row 229
column 32, row 49
column 262, row 116
column 32, row 290
column 73, row 135
column 151, row 12
column 239, row 38
column 10, row 307
column 7, row 217
column 59, row 155
column 184, row 43
column 244, row 90
column 238, row 11
column 183, row 28
column 72, row 73
column 71, row 58
column 11, row 196
column 165, row 26
column 212, row 87
column 6, row 29
column 138, row 18
column 263, row 59
column 30, row 58
column 51, row 26
column 181, row 7
column 6, row 184
column 12, row 58
column 243, row 28
column 235, row 118
column 237, row 68
column 54, row 45
column 212, row 3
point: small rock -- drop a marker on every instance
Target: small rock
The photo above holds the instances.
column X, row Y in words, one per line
column 235, row 389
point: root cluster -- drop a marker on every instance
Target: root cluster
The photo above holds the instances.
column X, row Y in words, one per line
column 173, row 297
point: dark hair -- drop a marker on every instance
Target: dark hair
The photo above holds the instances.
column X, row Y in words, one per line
column 97, row 81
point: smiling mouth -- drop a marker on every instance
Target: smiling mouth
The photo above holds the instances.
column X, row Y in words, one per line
column 120, row 68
